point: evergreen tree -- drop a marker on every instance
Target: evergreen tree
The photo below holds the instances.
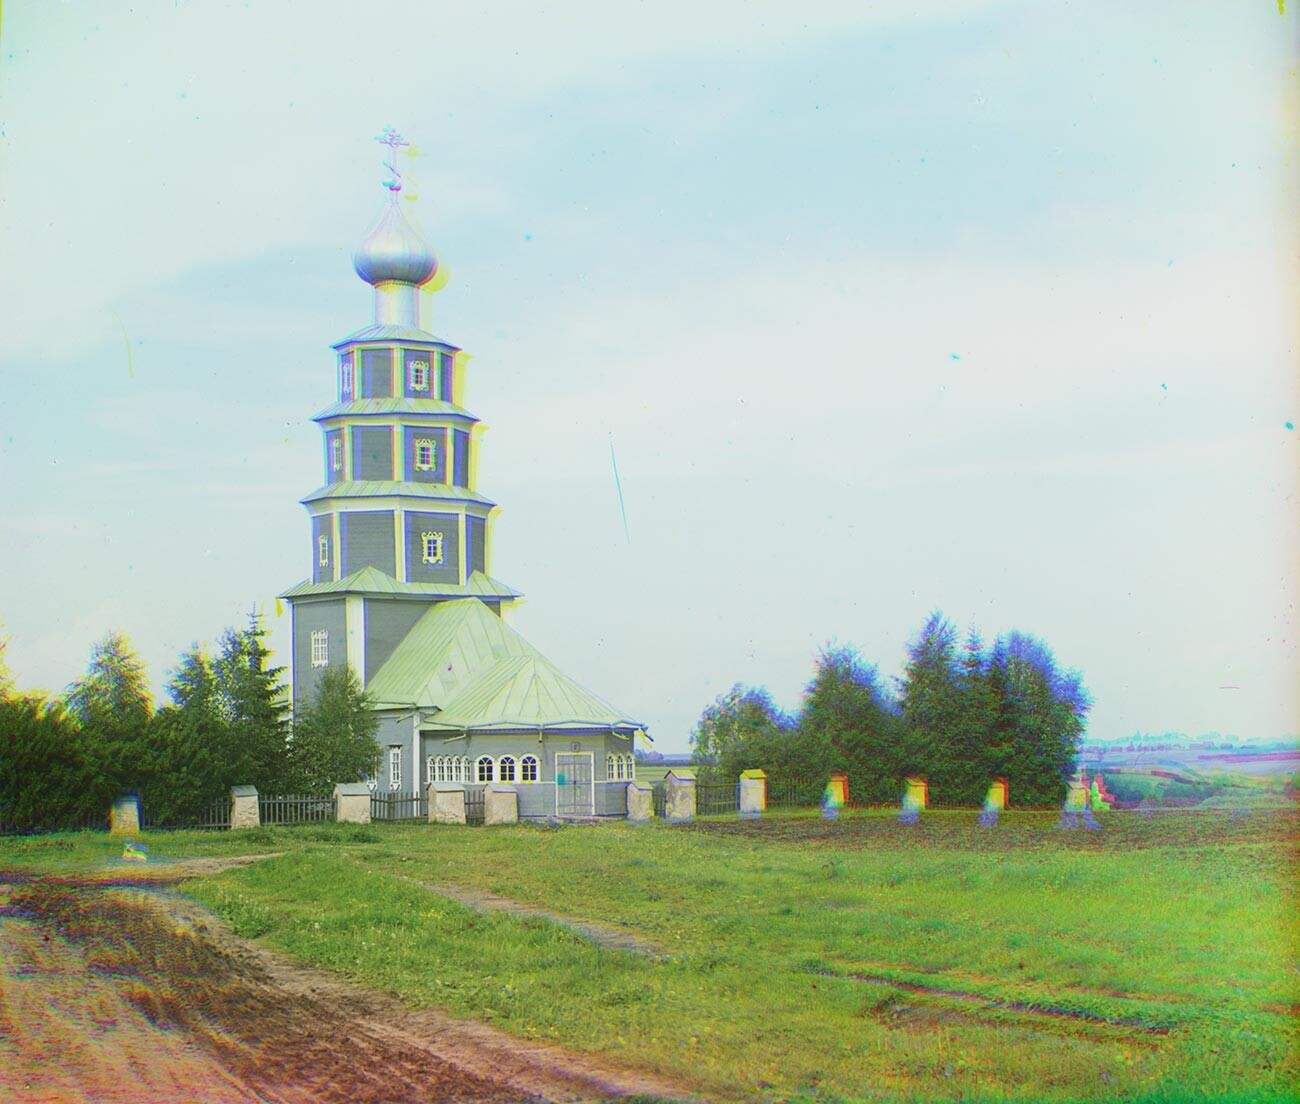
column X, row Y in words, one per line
column 1042, row 714
column 253, row 703
column 847, row 708
column 334, row 734
column 47, row 779
column 930, row 699
column 969, row 761
column 111, row 707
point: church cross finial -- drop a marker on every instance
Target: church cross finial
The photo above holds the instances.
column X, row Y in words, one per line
column 394, row 142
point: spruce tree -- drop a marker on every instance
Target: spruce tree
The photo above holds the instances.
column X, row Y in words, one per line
column 334, row 734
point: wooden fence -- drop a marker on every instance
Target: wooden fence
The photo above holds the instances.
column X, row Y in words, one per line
column 213, row 815
column 389, row 805
column 291, row 809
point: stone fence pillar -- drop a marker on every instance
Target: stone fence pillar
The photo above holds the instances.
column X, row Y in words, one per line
column 244, row 812
column 640, row 803
column 124, row 816
column 446, row 803
column 679, row 796
column 753, row 794
column 352, row 803
column 500, row 805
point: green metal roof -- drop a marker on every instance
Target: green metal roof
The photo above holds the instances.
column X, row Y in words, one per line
column 370, row 580
column 385, row 488
column 389, row 331
column 479, row 674
column 369, row 408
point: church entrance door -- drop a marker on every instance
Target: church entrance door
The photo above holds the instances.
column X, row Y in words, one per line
column 575, row 784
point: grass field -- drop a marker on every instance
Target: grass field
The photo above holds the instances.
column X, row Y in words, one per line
column 815, row 961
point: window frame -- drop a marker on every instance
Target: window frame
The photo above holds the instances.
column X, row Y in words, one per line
column 506, row 768
column 429, row 443
column 394, row 766
column 417, row 374
column 320, row 647
column 525, row 763
column 479, row 772
column 433, row 549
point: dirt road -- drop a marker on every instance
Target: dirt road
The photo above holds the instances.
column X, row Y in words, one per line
column 124, row 990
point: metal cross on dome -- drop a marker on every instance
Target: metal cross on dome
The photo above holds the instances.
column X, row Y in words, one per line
column 394, row 142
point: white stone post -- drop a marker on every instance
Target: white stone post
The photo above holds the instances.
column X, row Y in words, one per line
column 352, row 803
column 244, row 812
column 640, row 803
column 124, row 816
column 446, row 804
column 679, row 797
column 500, row 805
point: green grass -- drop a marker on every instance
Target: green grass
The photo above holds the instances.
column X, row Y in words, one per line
column 1153, row 961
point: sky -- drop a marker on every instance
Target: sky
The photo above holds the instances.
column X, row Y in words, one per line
column 985, row 307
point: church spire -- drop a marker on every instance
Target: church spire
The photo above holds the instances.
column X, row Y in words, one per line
column 394, row 258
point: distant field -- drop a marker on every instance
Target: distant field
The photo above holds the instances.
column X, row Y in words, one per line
column 805, row 960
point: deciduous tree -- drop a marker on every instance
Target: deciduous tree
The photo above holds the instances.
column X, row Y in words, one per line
column 334, row 733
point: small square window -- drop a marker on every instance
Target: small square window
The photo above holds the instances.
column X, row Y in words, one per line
column 324, row 548
column 417, row 374
column 431, row 548
column 320, row 648
column 425, row 454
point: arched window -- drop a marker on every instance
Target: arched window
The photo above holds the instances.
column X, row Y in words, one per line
column 528, row 768
column 506, row 769
column 609, row 767
column 483, row 768
column 430, row 764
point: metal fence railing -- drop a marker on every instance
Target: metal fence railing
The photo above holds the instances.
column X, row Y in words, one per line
column 714, row 798
column 294, row 809
column 399, row 805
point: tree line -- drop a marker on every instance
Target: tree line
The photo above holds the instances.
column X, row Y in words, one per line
column 963, row 713
column 66, row 757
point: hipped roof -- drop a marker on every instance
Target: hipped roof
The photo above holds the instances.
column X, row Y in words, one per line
column 463, row 661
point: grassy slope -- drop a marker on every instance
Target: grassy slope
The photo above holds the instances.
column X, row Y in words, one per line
column 1179, row 922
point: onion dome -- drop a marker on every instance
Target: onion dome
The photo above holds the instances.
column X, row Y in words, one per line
column 394, row 252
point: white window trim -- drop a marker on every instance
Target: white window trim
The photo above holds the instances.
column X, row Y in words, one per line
column 345, row 378
column 395, row 767
column 336, row 454
column 417, row 375
column 324, row 546
column 431, row 548
column 320, row 648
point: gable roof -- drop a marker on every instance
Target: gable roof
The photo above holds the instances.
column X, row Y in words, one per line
column 463, row 661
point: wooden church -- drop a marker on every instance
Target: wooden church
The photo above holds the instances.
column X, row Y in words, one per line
column 400, row 588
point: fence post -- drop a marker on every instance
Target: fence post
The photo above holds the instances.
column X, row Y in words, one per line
column 124, row 816
column 753, row 794
column 352, row 803
column 679, row 796
column 640, row 803
column 446, row 803
column 244, row 811
column 500, row 805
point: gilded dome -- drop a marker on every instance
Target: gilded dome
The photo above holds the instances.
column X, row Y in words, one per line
column 394, row 251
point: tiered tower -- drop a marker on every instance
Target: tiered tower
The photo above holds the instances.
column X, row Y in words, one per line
column 400, row 591
column 398, row 523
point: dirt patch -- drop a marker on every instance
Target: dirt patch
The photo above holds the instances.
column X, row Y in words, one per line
column 115, row 992
column 603, row 935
